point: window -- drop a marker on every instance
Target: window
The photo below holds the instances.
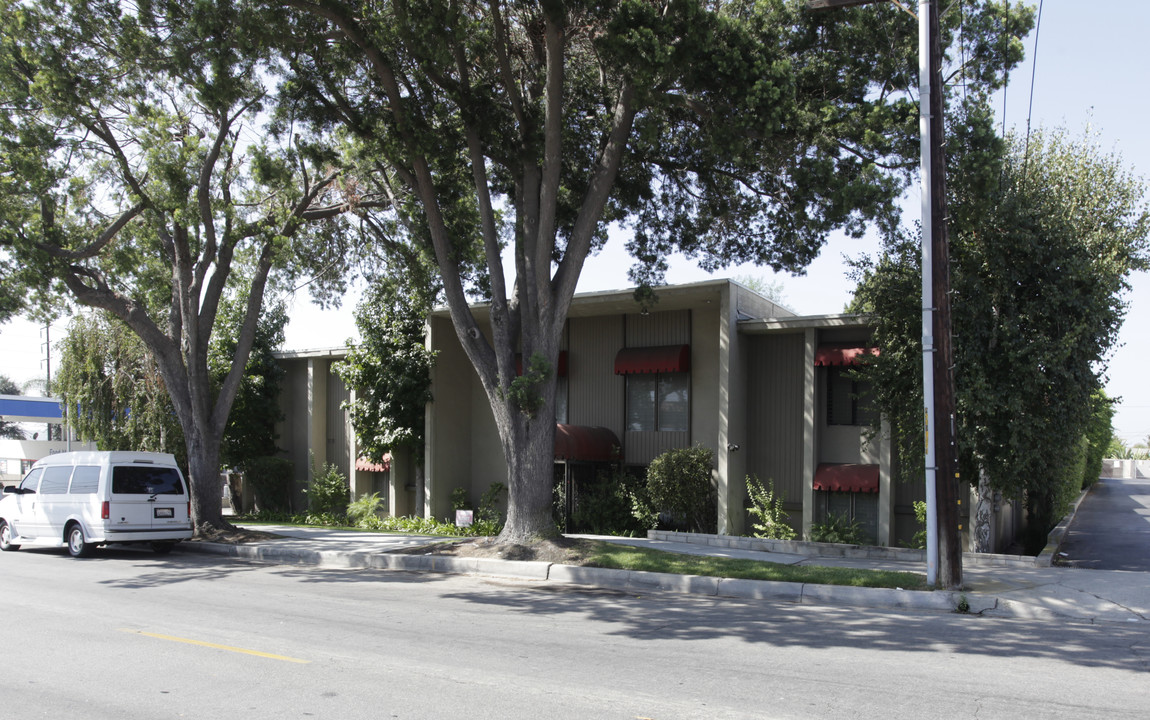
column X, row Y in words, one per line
column 144, row 480
column 847, row 401
column 85, row 479
column 32, row 481
column 658, row 402
column 55, row 480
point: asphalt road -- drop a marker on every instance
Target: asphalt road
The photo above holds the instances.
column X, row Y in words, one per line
column 131, row 635
column 1111, row 530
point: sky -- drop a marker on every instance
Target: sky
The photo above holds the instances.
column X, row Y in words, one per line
column 1087, row 70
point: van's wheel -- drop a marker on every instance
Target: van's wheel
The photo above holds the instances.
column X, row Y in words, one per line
column 6, row 537
column 77, row 545
column 162, row 548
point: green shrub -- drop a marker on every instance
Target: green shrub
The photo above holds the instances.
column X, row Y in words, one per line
column 367, row 506
column 329, row 492
column 271, row 479
column 374, row 523
column 838, row 529
column 459, row 499
column 919, row 539
column 642, row 510
column 488, row 513
column 767, row 510
column 679, row 482
column 603, row 506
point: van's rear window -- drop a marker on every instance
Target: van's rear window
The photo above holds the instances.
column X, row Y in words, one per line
column 144, row 480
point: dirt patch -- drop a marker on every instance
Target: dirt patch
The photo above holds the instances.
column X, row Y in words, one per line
column 231, row 535
column 566, row 551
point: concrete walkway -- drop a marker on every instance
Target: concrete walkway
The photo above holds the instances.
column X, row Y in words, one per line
column 1012, row 587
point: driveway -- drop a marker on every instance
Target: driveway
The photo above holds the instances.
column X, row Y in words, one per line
column 1111, row 530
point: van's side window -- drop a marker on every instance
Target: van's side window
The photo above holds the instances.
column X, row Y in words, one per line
column 55, row 480
column 85, row 480
column 142, row 480
column 32, row 480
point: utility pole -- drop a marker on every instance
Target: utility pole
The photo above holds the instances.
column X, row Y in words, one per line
column 48, row 360
column 943, row 549
column 945, row 448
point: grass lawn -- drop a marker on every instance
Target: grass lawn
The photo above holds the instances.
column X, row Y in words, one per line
column 625, row 557
column 599, row 553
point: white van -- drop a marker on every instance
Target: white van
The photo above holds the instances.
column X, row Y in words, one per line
column 86, row 499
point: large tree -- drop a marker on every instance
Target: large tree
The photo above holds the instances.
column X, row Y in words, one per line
column 731, row 131
column 1045, row 233
column 142, row 175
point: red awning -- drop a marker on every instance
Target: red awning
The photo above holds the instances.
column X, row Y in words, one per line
column 661, row 359
column 587, row 444
column 560, row 372
column 831, row 355
column 364, row 465
column 846, row 477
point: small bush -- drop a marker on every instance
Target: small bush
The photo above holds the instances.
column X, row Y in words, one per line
column 488, row 512
column 919, row 539
column 838, row 529
column 270, row 479
column 374, row 523
column 603, row 506
column 329, row 492
column 767, row 509
column 367, row 506
column 679, row 482
column 459, row 499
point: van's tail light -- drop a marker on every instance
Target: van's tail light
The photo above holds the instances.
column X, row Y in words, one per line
column 105, row 510
column 189, row 509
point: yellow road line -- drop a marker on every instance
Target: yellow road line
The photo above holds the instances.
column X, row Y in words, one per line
column 201, row 643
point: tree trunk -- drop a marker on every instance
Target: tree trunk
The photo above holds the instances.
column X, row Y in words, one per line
column 529, row 449
column 206, row 486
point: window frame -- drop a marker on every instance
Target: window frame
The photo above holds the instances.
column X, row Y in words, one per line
column 860, row 414
column 658, row 400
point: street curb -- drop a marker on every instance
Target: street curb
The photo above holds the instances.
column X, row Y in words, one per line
column 631, row 581
column 1055, row 537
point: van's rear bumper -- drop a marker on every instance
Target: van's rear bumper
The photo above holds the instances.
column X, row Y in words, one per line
column 114, row 536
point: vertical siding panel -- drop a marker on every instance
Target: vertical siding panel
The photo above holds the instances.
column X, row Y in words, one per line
column 671, row 327
column 643, row 447
column 338, row 424
column 594, row 391
column 775, row 412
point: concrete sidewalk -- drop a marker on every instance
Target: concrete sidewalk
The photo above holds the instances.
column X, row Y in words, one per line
column 1002, row 587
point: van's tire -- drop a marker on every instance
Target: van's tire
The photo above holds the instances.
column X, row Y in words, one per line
column 78, row 545
column 162, row 548
column 6, row 537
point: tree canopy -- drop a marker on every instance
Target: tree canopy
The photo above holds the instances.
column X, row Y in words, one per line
column 1045, row 233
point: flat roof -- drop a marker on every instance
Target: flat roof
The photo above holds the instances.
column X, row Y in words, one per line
column 802, row 322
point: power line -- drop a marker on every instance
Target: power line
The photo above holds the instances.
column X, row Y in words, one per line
column 1033, row 73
